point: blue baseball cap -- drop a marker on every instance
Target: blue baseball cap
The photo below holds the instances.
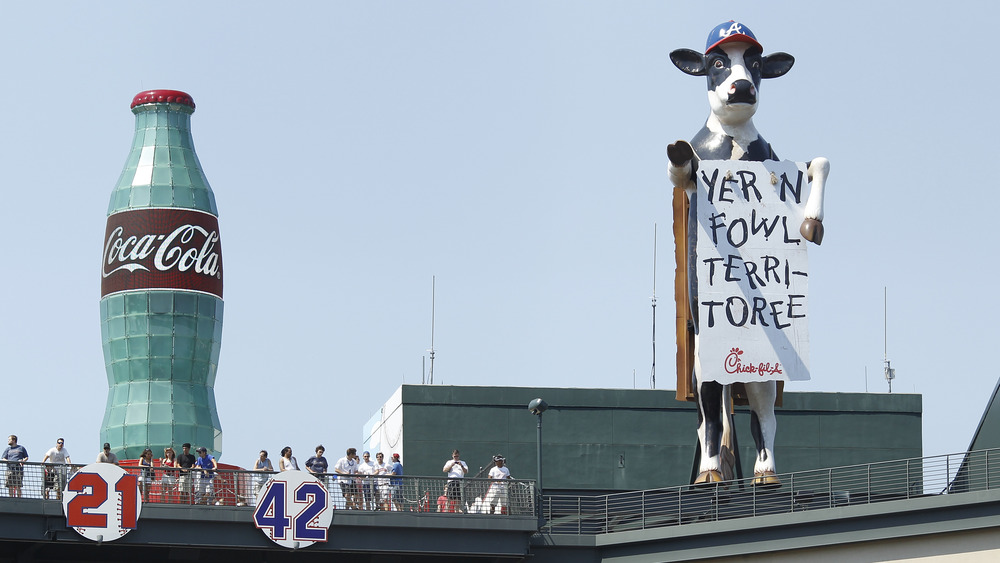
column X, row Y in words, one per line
column 729, row 31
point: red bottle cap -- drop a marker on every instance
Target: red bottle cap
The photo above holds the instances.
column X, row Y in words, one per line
column 162, row 96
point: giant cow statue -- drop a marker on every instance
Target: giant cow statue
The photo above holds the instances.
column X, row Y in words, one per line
column 734, row 64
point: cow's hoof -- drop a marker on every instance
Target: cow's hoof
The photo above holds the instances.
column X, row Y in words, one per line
column 766, row 479
column 680, row 152
column 708, row 477
column 812, row 230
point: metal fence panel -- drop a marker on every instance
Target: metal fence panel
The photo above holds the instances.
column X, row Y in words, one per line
column 807, row 490
column 240, row 488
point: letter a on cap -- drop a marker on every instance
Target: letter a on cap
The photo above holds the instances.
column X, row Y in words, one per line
column 729, row 31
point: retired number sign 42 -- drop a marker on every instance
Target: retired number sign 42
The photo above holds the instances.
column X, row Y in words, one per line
column 293, row 510
column 102, row 502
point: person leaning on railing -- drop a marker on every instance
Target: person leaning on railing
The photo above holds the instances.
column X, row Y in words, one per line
column 106, row 455
column 317, row 464
column 262, row 465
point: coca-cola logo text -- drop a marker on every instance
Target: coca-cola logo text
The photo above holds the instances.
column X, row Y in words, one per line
column 735, row 364
column 162, row 249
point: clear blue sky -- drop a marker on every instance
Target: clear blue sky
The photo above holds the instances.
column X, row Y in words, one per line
column 514, row 150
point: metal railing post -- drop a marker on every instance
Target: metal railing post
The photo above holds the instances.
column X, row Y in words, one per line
column 642, row 510
column 715, row 509
column 791, row 493
column 829, row 488
column 947, row 469
column 607, row 515
column 907, row 479
column 680, row 505
column 868, row 484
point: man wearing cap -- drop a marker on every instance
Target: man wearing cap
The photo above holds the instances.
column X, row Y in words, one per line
column 59, row 457
column 369, row 490
column 456, row 470
column 206, row 474
column 397, row 484
column 498, row 486
column 106, row 456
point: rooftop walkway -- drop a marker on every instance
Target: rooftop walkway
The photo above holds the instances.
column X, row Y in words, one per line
column 941, row 505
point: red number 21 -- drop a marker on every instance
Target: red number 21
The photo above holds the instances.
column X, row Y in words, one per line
column 77, row 514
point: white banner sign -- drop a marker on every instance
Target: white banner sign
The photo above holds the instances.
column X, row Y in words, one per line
column 752, row 271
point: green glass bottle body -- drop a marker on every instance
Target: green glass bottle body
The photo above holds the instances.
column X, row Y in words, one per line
column 161, row 289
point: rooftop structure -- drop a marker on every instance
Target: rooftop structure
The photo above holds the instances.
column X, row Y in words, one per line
column 605, row 440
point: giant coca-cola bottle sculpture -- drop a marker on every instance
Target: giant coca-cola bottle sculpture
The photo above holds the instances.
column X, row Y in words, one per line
column 161, row 288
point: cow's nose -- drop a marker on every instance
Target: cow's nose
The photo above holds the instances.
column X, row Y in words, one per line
column 742, row 91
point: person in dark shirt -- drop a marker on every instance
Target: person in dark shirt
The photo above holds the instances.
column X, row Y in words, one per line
column 317, row 463
column 185, row 461
column 15, row 455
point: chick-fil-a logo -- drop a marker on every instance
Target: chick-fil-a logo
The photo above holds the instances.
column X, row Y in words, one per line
column 162, row 249
column 735, row 364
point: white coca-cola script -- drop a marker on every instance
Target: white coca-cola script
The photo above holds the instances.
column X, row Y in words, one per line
column 163, row 249
column 174, row 250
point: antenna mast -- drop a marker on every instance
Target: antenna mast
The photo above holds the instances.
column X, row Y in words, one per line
column 652, row 371
column 433, row 288
column 890, row 373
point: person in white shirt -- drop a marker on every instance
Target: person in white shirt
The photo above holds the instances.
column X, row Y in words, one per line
column 57, row 456
column 383, row 489
column 345, row 468
column 498, row 487
column 367, row 467
column 456, row 470
column 287, row 461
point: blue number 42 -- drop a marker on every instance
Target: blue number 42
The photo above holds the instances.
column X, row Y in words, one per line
column 273, row 514
column 271, row 511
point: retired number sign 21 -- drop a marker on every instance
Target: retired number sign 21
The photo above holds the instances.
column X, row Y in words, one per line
column 293, row 510
column 102, row 502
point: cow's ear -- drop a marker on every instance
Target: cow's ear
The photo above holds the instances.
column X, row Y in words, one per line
column 690, row 62
column 777, row 64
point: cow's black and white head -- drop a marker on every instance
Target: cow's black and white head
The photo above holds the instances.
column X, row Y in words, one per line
column 734, row 65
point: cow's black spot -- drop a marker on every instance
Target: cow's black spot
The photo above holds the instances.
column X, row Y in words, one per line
column 711, row 146
column 759, row 150
column 717, row 66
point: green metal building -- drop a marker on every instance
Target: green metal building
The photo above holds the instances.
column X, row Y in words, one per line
column 603, row 440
